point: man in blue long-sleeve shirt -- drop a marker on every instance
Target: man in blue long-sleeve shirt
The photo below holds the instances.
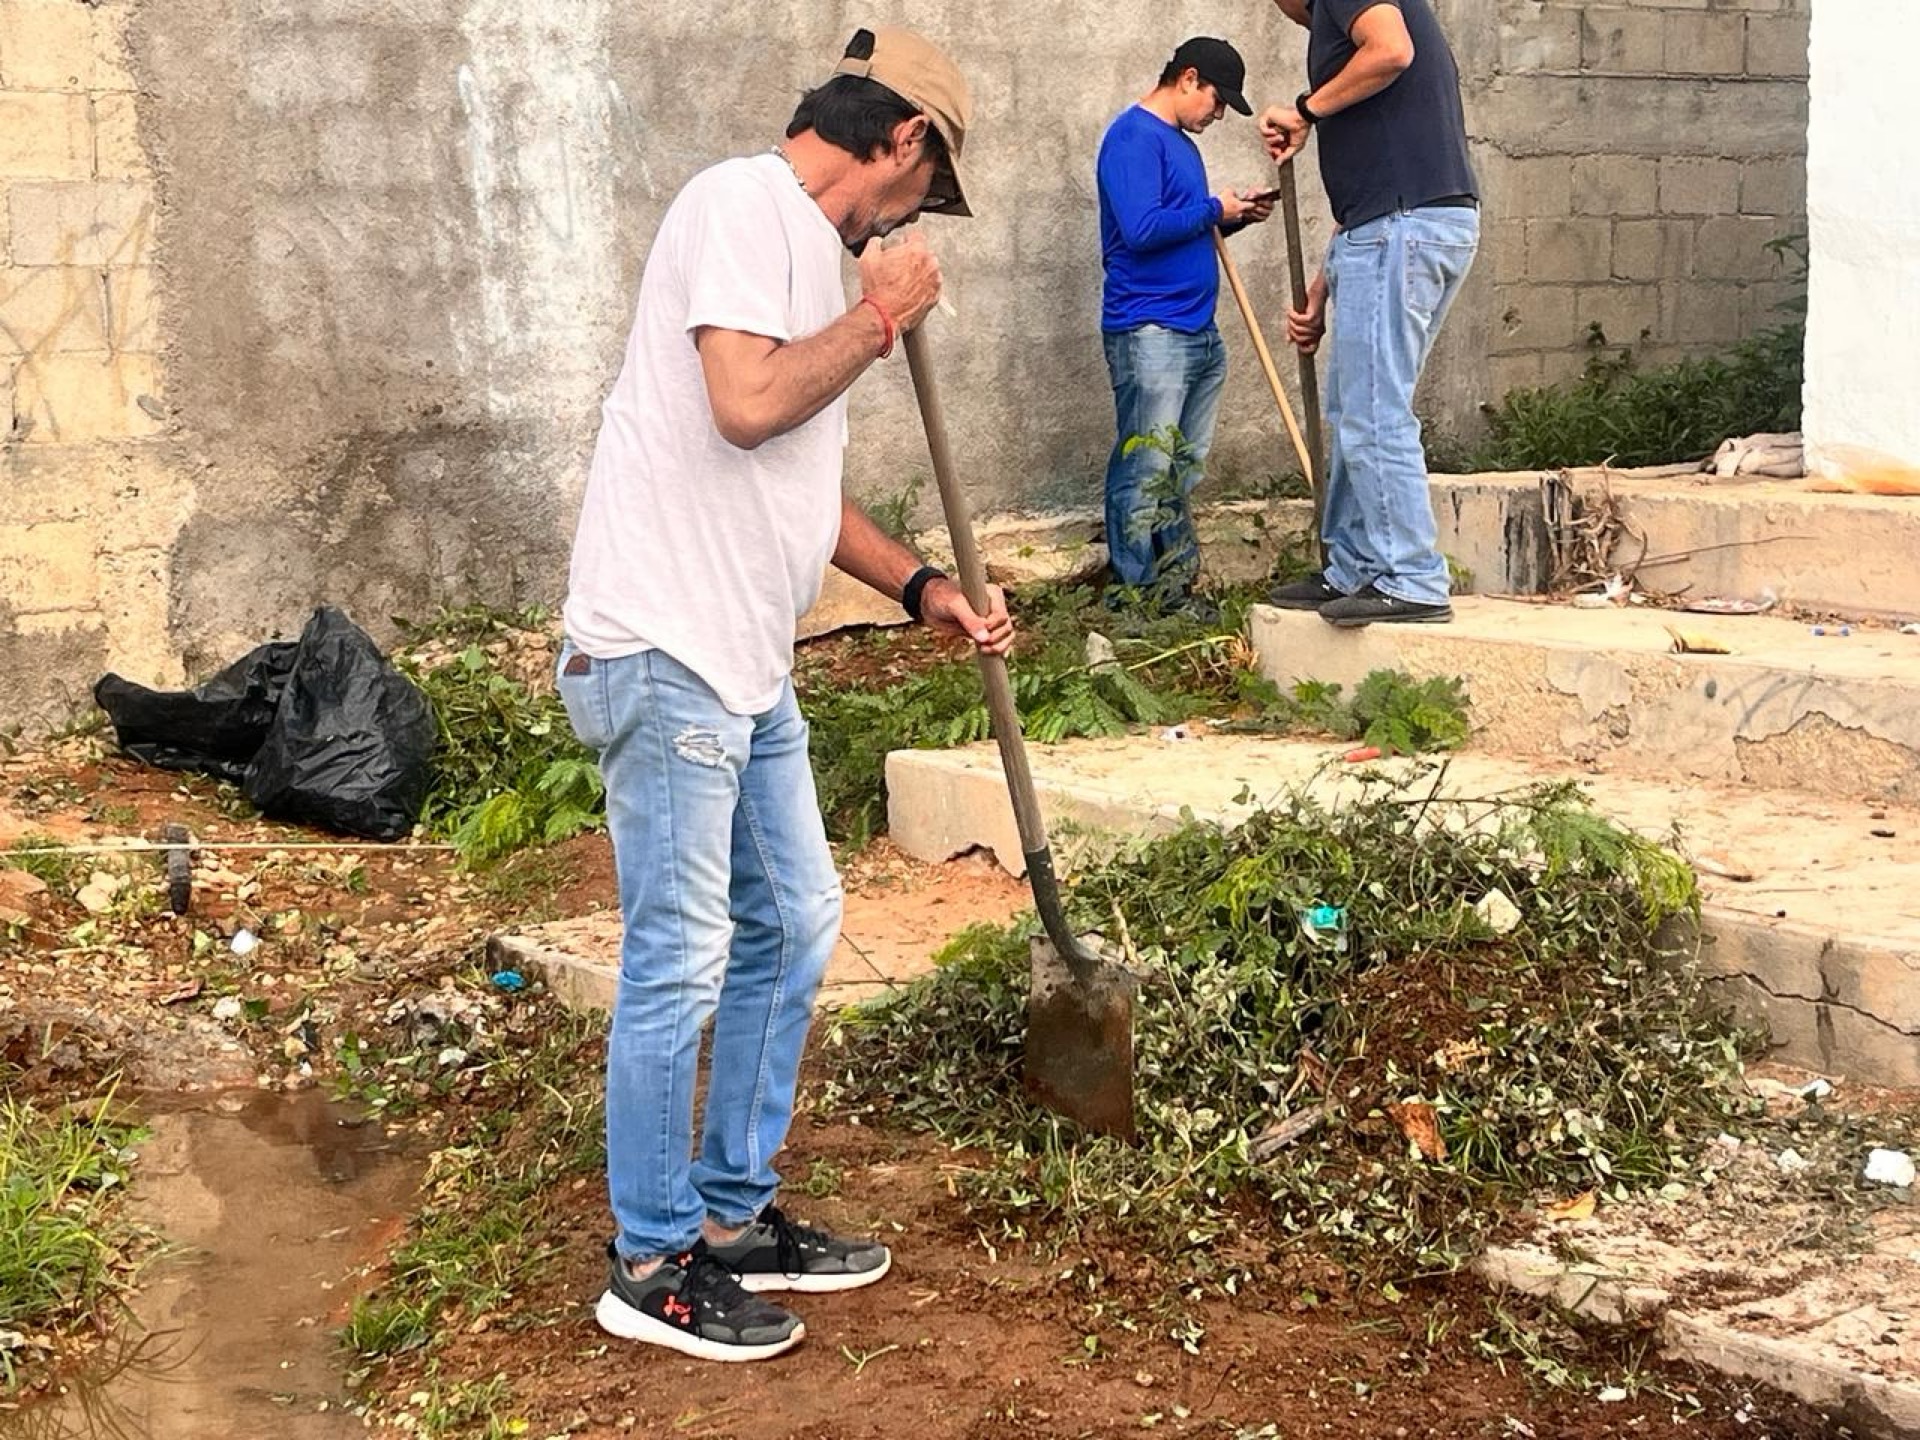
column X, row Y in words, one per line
column 1162, row 281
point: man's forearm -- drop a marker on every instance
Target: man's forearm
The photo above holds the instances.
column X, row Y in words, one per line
column 870, row 555
column 760, row 388
column 1362, row 78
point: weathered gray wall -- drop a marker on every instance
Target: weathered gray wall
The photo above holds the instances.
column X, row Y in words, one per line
column 310, row 300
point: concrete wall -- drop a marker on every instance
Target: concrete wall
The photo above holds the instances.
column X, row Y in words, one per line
column 1863, row 302
column 1638, row 157
column 317, row 299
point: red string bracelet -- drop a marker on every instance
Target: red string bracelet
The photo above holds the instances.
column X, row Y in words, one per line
column 886, row 324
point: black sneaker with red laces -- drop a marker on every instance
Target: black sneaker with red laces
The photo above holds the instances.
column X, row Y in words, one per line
column 693, row 1303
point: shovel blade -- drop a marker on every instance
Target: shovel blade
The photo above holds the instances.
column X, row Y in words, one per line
column 1079, row 1059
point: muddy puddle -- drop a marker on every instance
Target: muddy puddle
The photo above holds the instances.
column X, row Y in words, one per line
column 271, row 1203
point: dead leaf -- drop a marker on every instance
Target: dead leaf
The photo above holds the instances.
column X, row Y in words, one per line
column 189, row 991
column 1580, row 1207
column 1696, row 642
column 1420, row 1123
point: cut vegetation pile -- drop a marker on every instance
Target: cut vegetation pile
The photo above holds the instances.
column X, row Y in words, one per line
column 1382, row 1028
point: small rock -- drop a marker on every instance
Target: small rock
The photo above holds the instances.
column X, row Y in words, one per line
column 228, row 1008
column 1792, row 1162
column 1499, row 913
column 1891, row 1167
column 1612, row 1395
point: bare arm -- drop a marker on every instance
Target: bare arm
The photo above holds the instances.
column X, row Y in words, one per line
column 875, row 558
column 759, row 387
column 1382, row 52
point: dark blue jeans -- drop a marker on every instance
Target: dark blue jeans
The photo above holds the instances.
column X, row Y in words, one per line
column 1161, row 378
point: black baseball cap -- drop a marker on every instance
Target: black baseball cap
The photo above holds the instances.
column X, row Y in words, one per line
column 1219, row 64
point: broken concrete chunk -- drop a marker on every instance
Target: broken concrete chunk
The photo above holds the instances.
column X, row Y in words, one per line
column 1891, row 1167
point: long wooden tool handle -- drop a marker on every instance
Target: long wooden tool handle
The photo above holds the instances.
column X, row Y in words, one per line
column 1260, row 349
column 993, row 671
column 1309, row 370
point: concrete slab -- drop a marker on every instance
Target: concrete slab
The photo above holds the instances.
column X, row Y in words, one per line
column 1831, row 1331
column 1822, row 943
column 1833, row 715
column 1851, row 554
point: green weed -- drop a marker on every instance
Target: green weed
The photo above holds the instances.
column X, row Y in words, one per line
column 508, row 771
column 63, row 1242
column 1620, row 413
column 48, row 861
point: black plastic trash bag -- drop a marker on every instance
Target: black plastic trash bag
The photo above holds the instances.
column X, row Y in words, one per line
column 346, row 743
column 351, row 747
column 217, row 727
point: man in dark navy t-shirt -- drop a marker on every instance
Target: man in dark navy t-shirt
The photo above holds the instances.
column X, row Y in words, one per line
column 1384, row 98
column 1156, row 316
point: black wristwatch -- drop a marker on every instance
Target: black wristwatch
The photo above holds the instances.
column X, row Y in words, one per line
column 915, row 586
column 1304, row 110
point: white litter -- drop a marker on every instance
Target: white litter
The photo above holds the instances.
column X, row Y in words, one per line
column 1499, row 913
column 1815, row 1089
column 228, row 1008
column 1612, row 1395
column 244, row 942
column 1891, row 1167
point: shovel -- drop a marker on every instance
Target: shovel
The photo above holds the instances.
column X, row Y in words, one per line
column 1079, row 1057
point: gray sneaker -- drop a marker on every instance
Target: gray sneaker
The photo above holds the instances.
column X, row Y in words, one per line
column 692, row 1303
column 776, row 1254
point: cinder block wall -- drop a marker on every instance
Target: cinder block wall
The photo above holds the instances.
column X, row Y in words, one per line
column 1638, row 159
column 316, row 300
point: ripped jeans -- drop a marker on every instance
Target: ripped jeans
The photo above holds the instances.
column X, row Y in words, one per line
column 731, row 907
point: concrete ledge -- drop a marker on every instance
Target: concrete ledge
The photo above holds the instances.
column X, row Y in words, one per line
column 1832, row 715
column 1823, row 942
column 1850, row 554
column 1847, row 553
column 1815, row 1357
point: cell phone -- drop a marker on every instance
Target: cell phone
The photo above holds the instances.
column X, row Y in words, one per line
column 1261, row 197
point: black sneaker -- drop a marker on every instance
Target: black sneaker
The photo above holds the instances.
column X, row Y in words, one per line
column 1308, row 594
column 692, row 1303
column 1369, row 606
column 776, row 1254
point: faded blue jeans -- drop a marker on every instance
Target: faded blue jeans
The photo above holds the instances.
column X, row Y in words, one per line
column 1390, row 283
column 731, row 908
column 1161, row 378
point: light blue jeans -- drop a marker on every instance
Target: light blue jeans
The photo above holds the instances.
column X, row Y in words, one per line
column 731, row 908
column 1161, row 377
column 1390, row 283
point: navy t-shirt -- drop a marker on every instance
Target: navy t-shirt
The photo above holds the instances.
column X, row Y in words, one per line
column 1404, row 147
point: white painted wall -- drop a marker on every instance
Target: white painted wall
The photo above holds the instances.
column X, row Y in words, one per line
column 1863, row 209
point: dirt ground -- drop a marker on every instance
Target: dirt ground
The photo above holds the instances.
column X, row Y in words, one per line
column 978, row 1333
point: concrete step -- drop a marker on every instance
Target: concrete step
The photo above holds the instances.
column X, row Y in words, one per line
column 1830, row 715
column 1849, row 554
column 1822, row 943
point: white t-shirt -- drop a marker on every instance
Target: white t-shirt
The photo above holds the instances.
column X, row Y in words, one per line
column 687, row 544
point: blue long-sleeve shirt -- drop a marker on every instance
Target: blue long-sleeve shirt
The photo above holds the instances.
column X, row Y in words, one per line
column 1156, row 224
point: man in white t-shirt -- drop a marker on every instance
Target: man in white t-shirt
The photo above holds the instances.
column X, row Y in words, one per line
column 713, row 507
